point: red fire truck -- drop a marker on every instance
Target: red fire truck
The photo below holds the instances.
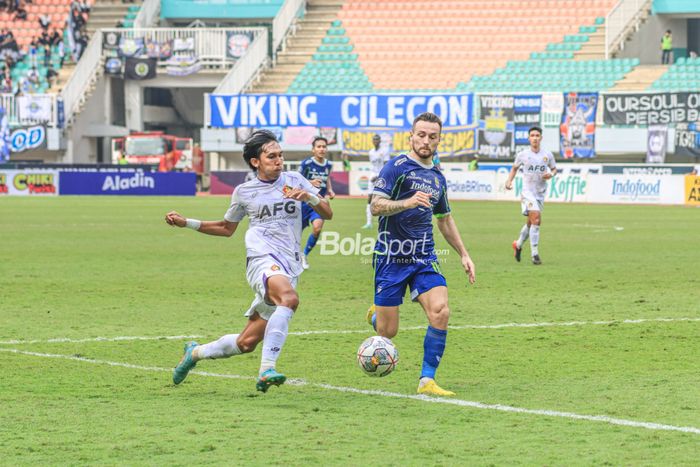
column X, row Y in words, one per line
column 155, row 148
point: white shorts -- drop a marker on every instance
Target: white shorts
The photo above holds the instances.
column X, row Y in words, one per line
column 530, row 202
column 258, row 271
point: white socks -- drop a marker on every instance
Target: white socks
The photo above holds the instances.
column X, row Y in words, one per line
column 275, row 335
column 534, row 239
column 524, row 233
column 223, row 348
column 369, row 215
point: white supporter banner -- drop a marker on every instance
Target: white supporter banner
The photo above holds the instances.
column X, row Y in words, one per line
column 29, row 182
column 636, row 189
column 471, row 185
column 580, row 184
column 34, row 108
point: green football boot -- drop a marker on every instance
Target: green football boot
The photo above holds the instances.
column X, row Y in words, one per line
column 268, row 378
column 186, row 363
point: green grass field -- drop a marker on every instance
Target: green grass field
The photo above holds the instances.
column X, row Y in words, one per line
column 619, row 288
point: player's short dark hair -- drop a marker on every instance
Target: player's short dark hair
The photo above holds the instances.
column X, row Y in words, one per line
column 254, row 144
column 318, row 138
column 427, row 117
column 535, row 128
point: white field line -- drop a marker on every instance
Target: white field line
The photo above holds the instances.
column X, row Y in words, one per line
column 370, row 392
column 97, row 339
column 366, row 330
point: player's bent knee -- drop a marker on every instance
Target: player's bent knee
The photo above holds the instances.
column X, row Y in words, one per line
column 247, row 344
column 290, row 299
column 440, row 315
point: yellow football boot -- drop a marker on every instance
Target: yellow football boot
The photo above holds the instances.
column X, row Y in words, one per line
column 431, row 388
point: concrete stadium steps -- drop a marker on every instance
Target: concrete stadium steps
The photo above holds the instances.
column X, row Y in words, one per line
column 299, row 50
column 640, row 78
column 594, row 49
column 106, row 14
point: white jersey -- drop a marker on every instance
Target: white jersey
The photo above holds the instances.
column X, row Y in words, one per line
column 275, row 221
column 379, row 157
column 535, row 165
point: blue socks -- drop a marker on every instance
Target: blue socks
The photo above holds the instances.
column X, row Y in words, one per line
column 374, row 320
column 433, row 348
column 310, row 244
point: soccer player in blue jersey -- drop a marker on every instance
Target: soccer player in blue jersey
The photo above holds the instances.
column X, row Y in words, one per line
column 408, row 192
column 317, row 169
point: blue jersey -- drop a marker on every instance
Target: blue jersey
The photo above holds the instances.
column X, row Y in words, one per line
column 312, row 170
column 409, row 234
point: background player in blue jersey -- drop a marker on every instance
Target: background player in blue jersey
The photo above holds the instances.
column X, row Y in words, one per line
column 408, row 192
column 318, row 170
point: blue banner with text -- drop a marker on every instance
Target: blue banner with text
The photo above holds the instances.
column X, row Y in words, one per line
column 122, row 183
column 338, row 111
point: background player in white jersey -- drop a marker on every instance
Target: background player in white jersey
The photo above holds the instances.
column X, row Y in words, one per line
column 538, row 166
column 378, row 156
column 272, row 201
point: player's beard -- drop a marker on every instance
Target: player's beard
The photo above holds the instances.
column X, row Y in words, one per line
column 423, row 152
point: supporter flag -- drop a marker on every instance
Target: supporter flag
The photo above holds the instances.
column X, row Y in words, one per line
column 140, row 68
column 527, row 115
column 34, row 108
column 656, row 144
column 236, row 44
column 4, row 135
column 182, row 65
column 687, row 142
column 496, row 126
column 113, row 66
column 110, row 40
column 131, row 47
column 577, row 129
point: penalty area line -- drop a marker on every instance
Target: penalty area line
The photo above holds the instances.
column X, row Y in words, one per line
column 372, row 392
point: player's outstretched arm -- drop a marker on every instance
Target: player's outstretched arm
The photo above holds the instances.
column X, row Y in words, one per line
column 449, row 230
column 381, row 206
column 319, row 205
column 222, row 228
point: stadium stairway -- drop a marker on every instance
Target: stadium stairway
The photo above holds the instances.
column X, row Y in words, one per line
column 594, row 47
column 299, row 50
column 103, row 14
column 107, row 13
column 640, row 78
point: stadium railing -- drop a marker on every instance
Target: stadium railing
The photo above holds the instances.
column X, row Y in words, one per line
column 283, row 23
column 148, row 14
column 247, row 67
column 624, row 15
column 210, row 43
column 86, row 71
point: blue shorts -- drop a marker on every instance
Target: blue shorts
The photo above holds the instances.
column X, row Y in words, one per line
column 308, row 215
column 393, row 274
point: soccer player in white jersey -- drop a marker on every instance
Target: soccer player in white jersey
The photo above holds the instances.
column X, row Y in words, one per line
column 378, row 156
column 272, row 201
column 538, row 166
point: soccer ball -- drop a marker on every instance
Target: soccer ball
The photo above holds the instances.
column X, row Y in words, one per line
column 377, row 356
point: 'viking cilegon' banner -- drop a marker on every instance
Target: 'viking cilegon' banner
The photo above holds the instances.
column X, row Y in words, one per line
column 339, row 111
column 651, row 109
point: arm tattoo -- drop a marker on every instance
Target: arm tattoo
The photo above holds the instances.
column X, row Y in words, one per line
column 386, row 207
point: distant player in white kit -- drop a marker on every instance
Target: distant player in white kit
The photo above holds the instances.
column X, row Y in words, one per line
column 378, row 156
column 272, row 201
column 538, row 167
